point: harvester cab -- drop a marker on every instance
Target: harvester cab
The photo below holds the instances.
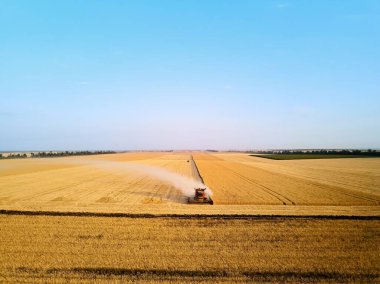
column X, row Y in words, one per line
column 200, row 197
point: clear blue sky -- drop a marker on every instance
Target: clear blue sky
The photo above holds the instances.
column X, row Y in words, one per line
column 204, row 74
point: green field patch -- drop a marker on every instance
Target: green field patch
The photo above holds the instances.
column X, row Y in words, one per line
column 309, row 156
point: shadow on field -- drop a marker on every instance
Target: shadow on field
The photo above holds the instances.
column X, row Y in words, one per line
column 188, row 216
column 259, row 276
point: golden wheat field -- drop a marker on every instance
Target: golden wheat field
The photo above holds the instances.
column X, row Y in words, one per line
column 255, row 180
column 241, row 184
column 189, row 250
column 125, row 218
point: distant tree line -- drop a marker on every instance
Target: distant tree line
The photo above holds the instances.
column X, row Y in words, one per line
column 68, row 153
column 13, row 156
column 53, row 154
column 368, row 152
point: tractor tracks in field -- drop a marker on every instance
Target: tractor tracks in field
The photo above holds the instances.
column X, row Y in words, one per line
column 328, row 188
column 343, row 191
column 348, row 192
column 340, row 188
column 333, row 188
column 282, row 198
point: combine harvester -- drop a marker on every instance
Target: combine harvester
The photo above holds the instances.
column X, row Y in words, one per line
column 200, row 195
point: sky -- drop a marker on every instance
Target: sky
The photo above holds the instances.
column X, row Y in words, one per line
column 189, row 74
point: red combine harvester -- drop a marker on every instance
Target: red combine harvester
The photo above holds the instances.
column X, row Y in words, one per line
column 200, row 197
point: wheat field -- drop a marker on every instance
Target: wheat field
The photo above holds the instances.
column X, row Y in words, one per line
column 241, row 184
column 124, row 218
column 253, row 180
column 188, row 250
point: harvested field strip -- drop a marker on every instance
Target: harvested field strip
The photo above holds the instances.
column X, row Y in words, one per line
column 194, row 170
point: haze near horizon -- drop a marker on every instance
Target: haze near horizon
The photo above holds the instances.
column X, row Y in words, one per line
column 127, row 75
